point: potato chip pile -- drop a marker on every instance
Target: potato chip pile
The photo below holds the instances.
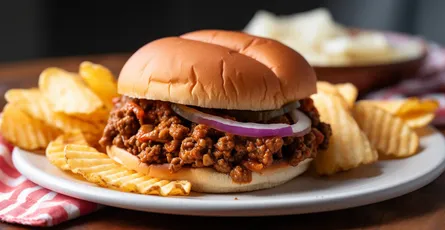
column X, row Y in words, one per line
column 366, row 130
column 64, row 101
column 66, row 116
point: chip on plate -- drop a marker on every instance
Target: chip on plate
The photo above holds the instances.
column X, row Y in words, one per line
column 98, row 168
column 326, row 87
column 55, row 151
column 349, row 92
column 22, row 95
column 100, row 80
column 25, row 131
column 388, row 133
column 67, row 92
column 331, row 89
column 415, row 112
column 348, row 147
column 32, row 102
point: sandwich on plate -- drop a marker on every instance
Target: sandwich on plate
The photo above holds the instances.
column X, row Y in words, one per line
column 227, row 111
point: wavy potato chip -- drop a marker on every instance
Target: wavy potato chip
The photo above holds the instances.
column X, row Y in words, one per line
column 32, row 102
column 331, row 89
column 16, row 96
column 98, row 168
column 24, row 131
column 418, row 113
column 67, row 92
column 348, row 146
column 415, row 112
column 55, row 151
column 419, row 120
column 413, row 105
column 88, row 162
column 389, row 134
column 349, row 92
column 100, row 80
column 328, row 88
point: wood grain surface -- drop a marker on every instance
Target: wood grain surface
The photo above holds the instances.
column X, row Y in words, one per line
column 422, row 209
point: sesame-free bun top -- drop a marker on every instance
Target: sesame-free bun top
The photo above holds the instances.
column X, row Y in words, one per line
column 218, row 69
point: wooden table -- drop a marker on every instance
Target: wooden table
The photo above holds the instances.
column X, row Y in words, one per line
column 422, row 209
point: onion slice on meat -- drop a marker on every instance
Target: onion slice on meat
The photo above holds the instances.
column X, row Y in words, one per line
column 249, row 129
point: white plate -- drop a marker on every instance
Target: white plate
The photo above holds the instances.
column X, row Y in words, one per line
column 304, row 194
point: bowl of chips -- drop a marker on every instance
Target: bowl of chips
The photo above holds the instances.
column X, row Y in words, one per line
column 374, row 69
column 364, row 57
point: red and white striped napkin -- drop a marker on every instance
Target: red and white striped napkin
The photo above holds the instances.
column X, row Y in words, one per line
column 429, row 83
column 23, row 202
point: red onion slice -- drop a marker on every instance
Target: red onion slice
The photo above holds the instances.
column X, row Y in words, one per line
column 249, row 129
column 303, row 123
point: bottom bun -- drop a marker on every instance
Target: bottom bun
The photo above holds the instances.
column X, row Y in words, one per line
column 209, row 180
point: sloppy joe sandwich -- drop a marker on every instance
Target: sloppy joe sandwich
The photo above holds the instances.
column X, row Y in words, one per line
column 227, row 111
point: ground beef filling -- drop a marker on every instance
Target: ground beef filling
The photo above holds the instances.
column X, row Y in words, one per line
column 153, row 132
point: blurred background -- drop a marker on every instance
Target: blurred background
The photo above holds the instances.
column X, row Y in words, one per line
column 33, row 29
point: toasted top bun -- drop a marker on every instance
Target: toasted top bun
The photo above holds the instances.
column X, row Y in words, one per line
column 209, row 180
column 218, row 69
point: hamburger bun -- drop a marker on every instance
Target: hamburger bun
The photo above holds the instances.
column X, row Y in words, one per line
column 218, row 69
column 209, row 180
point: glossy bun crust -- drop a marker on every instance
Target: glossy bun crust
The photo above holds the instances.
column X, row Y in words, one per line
column 218, row 69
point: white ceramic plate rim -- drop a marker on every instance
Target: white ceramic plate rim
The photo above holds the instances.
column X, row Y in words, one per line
column 186, row 205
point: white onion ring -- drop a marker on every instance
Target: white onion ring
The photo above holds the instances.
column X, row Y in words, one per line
column 249, row 129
